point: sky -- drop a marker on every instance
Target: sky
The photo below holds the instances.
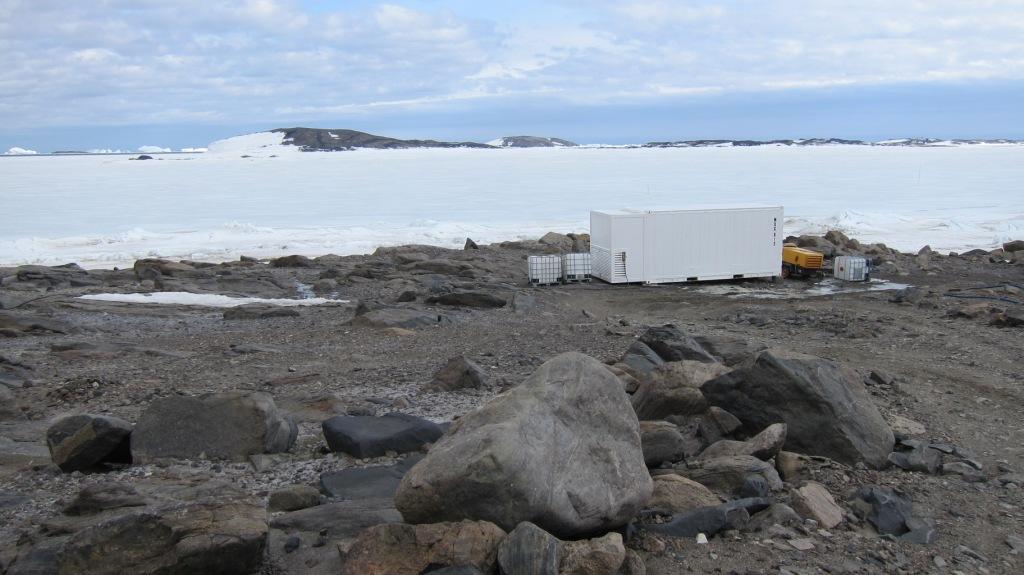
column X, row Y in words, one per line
column 120, row 74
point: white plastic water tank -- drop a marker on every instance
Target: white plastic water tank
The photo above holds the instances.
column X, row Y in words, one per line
column 544, row 270
column 576, row 267
column 695, row 244
column 850, row 268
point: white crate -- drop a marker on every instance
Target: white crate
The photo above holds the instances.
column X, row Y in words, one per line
column 544, row 270
column 850, row 268
column 576, row 267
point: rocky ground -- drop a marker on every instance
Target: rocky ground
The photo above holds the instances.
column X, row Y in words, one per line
column 934, row 348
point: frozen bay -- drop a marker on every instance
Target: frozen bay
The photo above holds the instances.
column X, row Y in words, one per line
column 102, row 211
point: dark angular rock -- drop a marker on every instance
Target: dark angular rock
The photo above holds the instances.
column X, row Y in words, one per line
column 529, row 550
column 468, row 299
column 921, row 458
column 641, row 359
column 755, row 486
column 366, row 436
column 892, row 514
column 470, row 245
column 710, row 520
column 671, row 344
column 83, row 442
column 292, row 261
column 259, row 311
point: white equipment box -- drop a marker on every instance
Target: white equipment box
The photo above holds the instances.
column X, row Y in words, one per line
column 544, row 270
column 576, row 267
column 850, row 268
column 705, row 243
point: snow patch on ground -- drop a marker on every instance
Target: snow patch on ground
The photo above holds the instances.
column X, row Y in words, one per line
column 258, row 145
column 204, row 299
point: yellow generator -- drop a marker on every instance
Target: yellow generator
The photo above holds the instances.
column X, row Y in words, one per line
column 800, row 262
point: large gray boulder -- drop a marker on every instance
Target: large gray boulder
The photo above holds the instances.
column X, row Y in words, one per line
column 561, row 450
column 826, row 409
column 231, row 425
column 84, row 442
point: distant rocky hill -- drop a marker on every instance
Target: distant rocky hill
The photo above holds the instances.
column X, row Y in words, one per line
column 328, row 140
column 317, row 139
column 530, row 142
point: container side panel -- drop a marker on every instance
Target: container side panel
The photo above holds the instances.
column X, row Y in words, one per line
column 712, row 244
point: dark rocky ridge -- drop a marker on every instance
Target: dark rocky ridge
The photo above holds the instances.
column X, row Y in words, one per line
column 328, row 140
column 317, row 139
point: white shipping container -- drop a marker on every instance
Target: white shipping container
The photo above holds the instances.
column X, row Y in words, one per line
column 544, row 270
column 576, row 267
column 850, row 268
column 697, row 244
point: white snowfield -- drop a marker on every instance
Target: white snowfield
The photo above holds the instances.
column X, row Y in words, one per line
column 104, row 211
column 204, row 299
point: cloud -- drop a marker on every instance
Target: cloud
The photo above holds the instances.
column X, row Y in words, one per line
column 124, row 62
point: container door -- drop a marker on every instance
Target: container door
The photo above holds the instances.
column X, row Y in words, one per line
column 628, row 250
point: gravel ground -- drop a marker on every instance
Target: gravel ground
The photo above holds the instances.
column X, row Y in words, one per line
column 950, row 370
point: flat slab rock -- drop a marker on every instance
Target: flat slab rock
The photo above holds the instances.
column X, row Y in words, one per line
column 230, row 425
column 400, row 317
column 366, row 436
column 259, row 311
column 360, row 483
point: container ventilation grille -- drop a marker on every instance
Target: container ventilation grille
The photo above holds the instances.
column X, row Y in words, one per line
column 619, row 266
